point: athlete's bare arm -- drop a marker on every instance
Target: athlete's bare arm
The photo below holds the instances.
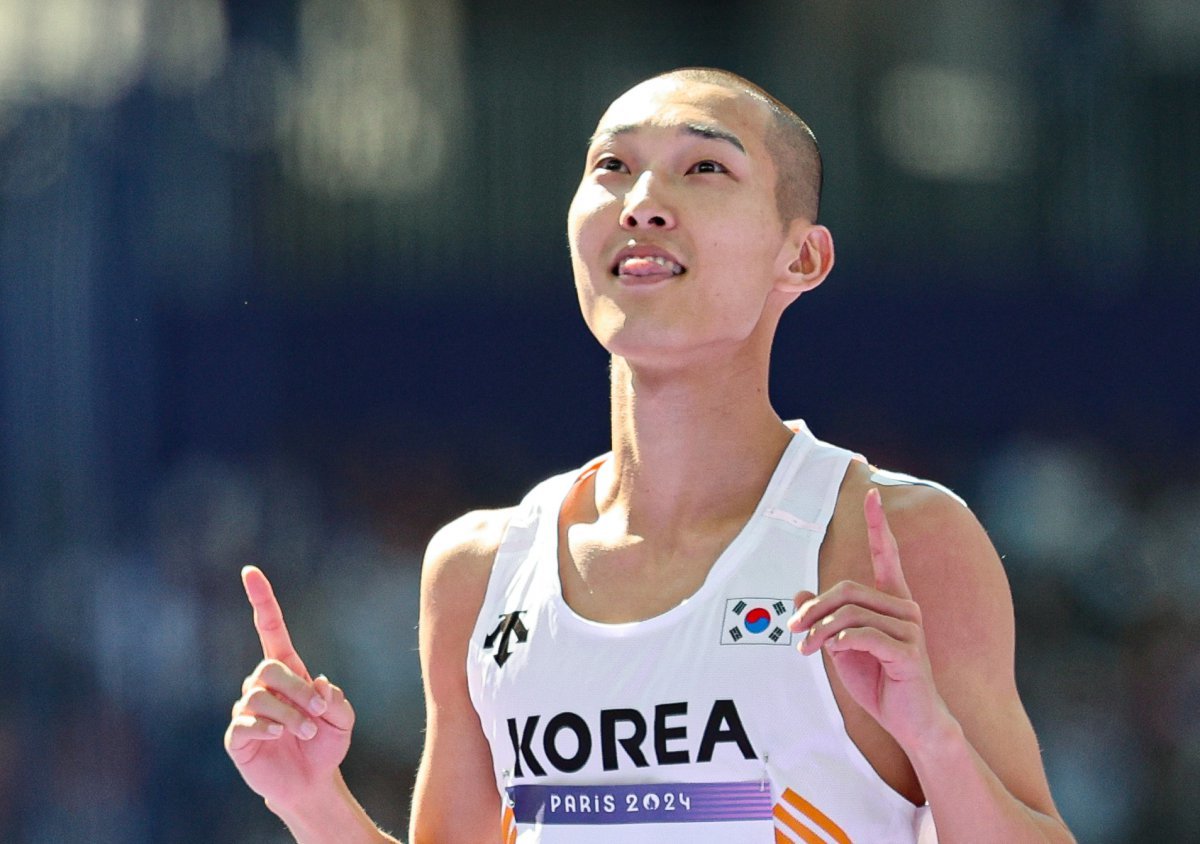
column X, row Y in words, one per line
column 455, row 798
column 289, row 733
column 922, row 661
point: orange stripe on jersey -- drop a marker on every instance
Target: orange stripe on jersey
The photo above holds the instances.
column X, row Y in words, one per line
column 815, row 815
column 508, row 827
column 785, row 817
column 780, row 838
column 568, row 502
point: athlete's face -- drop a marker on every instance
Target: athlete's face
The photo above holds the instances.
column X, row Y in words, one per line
column 676, row 241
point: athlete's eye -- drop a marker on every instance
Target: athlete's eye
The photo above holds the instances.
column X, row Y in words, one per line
column 612, row 165
column 708, row 166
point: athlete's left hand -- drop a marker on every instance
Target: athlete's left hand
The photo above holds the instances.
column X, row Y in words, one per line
column 875, row 639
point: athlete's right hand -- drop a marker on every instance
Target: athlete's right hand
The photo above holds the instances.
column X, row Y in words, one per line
column 288, row 733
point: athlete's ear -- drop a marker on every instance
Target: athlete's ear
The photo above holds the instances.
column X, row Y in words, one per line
column 806, row 258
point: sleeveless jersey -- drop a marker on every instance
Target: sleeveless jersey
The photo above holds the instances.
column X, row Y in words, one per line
column 702, row 724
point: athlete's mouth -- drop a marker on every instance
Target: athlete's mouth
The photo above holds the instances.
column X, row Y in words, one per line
column 646, row 262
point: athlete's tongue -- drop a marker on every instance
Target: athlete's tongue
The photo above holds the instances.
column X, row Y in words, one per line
column 648, row 266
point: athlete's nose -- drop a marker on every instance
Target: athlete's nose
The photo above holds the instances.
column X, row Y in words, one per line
column 645, row 207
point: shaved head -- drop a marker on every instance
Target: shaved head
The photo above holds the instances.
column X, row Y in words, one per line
column 792, row 145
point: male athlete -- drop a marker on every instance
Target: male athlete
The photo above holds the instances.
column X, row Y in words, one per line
column 725, row 630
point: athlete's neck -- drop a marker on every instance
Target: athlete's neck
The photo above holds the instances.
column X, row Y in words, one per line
column 688, row 447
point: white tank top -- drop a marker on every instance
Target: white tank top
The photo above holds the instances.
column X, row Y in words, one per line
column 702, row 724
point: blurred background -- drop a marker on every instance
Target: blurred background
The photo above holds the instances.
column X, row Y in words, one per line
column 286, row 282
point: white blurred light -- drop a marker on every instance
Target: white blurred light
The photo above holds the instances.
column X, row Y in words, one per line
column 90, row 52
column 953, row 125
column 378, row 84
column 84, row 51
column 352, row 138
column 14, row 16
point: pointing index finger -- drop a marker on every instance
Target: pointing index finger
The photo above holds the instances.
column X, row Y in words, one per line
column 885, row 554
column 268, row 621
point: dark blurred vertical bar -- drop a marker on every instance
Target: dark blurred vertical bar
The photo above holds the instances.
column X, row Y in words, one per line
column 53, row 490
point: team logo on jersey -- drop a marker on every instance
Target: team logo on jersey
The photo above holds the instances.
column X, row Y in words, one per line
column 509, row 628
column 756, row 621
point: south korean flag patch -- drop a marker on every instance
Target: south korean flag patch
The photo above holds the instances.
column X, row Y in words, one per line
column 756, row 621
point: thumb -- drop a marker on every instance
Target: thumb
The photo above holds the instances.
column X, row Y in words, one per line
column 801, row 601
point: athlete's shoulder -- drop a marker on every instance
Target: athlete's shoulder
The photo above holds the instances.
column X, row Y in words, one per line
column 454, row 582
column 459, row 558
column 950, row 565
column 933, row 526
column 462, row 551
column 922, row 513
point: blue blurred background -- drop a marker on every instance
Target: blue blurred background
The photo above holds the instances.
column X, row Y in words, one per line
column 286, row 282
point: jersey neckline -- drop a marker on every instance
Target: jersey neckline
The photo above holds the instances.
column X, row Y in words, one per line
column 722, row 568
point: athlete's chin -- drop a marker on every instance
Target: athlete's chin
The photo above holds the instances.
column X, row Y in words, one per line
column 664, row 355
column 625, row 334
column 659, row 338
column 635, row 345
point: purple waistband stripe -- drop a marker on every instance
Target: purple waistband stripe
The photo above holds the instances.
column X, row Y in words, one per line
column 641, row 804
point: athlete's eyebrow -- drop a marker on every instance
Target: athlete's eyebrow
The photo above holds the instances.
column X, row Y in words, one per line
column 702, row 130
column 714, row 133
